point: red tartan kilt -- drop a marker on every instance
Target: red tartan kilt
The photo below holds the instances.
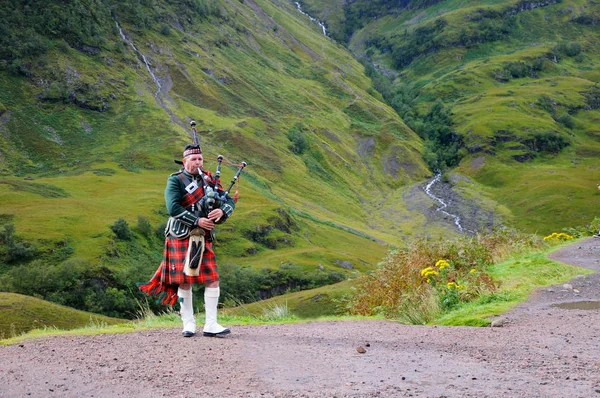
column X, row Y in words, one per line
column 173, row 261
column 169, row 275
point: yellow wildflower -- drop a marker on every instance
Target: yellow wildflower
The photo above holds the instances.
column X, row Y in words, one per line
column 427, row 272
column 558, row 236
column 441, row 264
column 473, row 270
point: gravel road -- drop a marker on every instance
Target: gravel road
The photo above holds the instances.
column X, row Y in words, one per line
column 541, row 350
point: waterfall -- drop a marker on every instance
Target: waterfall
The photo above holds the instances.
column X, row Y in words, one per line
column 321, row 24
column 443, row 204
column 143, row 57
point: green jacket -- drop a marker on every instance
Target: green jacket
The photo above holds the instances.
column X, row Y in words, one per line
column 175, row 191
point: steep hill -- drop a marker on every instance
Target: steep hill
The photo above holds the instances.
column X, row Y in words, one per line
column 517, row 80
column 117, row 95
column 95, row 103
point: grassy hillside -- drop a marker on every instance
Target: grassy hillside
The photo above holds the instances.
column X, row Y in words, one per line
column 257, row 80
column 95, row 104
column 519, row 79
column 20, row 314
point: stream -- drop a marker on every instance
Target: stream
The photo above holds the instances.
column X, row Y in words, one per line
column 443, row 204
column 321, row 24
column 143, row 58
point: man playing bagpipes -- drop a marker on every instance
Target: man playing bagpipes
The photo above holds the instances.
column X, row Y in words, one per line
column 196, row 202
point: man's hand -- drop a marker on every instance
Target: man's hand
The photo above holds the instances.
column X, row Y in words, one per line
column 206, row 224
column 215, row 215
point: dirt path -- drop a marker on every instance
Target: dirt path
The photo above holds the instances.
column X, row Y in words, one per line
column 541, row 351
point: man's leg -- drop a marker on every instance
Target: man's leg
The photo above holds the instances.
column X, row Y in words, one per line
column 211, row 301
column 187, row 311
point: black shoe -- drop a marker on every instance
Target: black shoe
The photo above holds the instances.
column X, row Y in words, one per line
column 188, row 334
column 220, row 334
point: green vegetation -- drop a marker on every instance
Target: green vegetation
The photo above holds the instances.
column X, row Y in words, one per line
column 20, row 314
column 460, row 282
column 519, row 277
column 89, row 132
column 504, row 93
column 509, row 266
column 518, row 81
column 435, row 276
column 442, row 143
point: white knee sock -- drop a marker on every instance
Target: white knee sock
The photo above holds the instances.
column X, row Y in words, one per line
column 186, row 310
column 211, row 301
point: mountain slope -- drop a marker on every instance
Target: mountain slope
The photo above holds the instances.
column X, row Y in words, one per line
column 519, row 79
column 96, row 103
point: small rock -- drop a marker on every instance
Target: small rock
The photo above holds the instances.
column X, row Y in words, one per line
column 567, row 286
column 360, row 349
column 498, row 323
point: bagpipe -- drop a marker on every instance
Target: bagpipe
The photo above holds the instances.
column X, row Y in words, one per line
column 213, row 197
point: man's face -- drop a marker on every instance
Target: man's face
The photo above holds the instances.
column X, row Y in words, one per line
column 192, row 163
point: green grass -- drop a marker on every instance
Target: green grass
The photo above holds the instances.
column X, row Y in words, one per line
column 246, row 84
column 550, row 191
column 518, row 278
column 248, row 79
column 167, row 321
column 314, row 303
column 267, row 312
column 20, row 314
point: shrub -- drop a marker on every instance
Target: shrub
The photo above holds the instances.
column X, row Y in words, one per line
column 165, row 30
column 538, row 64
column 144, row 227
column 74, row 283
column 566, row 120
column 556, row 237
column 20, row 251
column 592, row 98
column 429, row 277
column 121, row 230
column 549, row 142
column 7, row 234
column 13, row 248
column 160, row 230
column 246, row 285
column 547, row 103
column 573, row 49
column 517, row 69
column 299, row 143
column 569, row 49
